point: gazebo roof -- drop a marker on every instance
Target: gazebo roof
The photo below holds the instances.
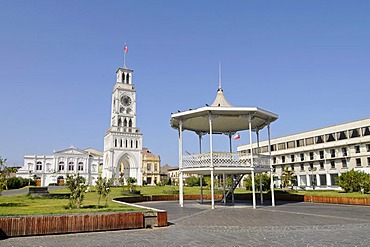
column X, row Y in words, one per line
column 226, row 118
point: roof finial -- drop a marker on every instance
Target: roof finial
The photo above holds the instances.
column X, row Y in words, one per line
column 219, row 76
column 125, row 50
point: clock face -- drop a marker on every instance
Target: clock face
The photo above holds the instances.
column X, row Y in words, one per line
column 126, row 100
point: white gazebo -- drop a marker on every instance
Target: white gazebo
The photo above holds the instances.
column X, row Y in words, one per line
column 222, row 118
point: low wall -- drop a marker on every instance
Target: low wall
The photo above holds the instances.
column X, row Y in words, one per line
column 338, row 200
column 73, row 223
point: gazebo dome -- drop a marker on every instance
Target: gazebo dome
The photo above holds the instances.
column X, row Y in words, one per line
column 220, row 99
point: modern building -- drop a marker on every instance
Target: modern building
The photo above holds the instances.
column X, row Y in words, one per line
column 123, row 140
column 317, row 157
column 53, row 169
column 151, row 167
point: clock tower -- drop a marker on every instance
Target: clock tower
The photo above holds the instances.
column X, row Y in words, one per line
column 123, row 140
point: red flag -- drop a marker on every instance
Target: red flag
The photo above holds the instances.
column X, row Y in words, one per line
column 236, row 137
column 125, row 48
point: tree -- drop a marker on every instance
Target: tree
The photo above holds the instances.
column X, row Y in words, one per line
column 103, row 189
column 130, row 182
column 265, row 182
column 76, row 184
column 287, row 177
column 2, row 174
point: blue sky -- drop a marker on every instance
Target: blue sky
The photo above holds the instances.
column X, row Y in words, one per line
column 307, row 61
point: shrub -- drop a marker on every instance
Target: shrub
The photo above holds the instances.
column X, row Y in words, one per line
column 354, row 181
column 76, row 184
column 192, row 181
column 265, row 182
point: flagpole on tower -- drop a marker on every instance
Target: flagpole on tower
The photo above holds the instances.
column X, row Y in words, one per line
column 125, row 50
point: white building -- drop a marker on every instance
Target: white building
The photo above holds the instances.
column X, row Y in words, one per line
column 123, row 140
column 53, row 169
column 319, row 156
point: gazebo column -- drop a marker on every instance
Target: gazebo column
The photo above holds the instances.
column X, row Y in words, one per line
column 211, row 153
column 271, row 169
column 252, row 161
column 201, row 176
column 181, row 182
column 258, row 152
column 232, row 175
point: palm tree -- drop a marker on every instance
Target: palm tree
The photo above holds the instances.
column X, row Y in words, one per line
column 287, row 176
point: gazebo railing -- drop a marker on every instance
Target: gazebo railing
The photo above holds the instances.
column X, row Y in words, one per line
column 222, row 159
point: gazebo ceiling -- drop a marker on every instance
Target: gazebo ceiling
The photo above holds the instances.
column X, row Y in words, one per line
column 224, row 119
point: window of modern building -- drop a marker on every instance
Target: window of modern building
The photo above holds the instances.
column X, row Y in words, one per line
column 344, row 163
column 319, row 139
column 344, row 151
column 273, row 147
column 264, row 149
column 368, row 147
column 322, row 165
column 341, row 135
column 366, row 131
column 321, row 152
column 283, row 159
column 357, row 149
column 300, row 143
column 274, row 169
column 38, row 166
column 311, row 155
column 322, row 178
column 290, row 144
column 358, row 162
column 302, row 156
column 333, row 179
column 354, row 133
column 330, row 137
column 292, row 157
column 274, row 160
column 302, row 167
column 368, row 161
column 281, row 146
column 311, row 166
column 332, row 153
column 309, row 141
column 61, row 166
column 332, row 164
column 303, row 179
column 292, row 167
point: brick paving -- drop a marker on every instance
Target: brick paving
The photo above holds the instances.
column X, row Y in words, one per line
column 287, row 224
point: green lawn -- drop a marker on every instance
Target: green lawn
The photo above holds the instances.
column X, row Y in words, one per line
column 25, row 205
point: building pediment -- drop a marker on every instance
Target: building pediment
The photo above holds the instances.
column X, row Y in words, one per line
column 71, row 150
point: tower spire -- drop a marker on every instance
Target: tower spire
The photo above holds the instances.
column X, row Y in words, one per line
column 125, row 50
column 219, row 77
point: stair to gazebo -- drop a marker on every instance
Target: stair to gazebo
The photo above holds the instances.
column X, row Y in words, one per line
column 235, row 183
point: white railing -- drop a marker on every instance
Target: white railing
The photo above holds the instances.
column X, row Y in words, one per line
column 225, row 160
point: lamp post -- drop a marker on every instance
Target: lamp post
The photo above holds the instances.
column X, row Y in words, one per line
column 313, row 182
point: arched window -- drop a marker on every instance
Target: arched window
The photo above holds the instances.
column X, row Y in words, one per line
column 61, row 166
column 126, row 143
column 71, row 166
column 39, row 166
column 121, row 141
column 119, row 122
column 130, row 123
column 115, row 142
column 123, row 77
column 137, row 144
column 80, row 166
column 125, row 123
column 132, row 144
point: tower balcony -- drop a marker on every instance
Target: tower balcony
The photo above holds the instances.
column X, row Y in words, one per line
column 124, row 129
column 225, row 161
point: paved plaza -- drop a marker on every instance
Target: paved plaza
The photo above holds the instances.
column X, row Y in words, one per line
column 287, row 224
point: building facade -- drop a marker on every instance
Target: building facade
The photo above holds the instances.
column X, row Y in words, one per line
column 123, row 140
column 317, row 157
column 53, row 169
column 151, row 167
